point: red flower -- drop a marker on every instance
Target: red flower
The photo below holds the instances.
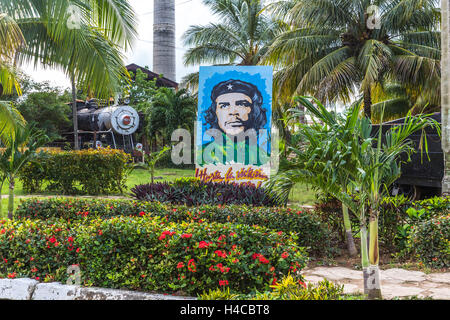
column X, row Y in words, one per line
column 212, row 268
column 31, row 259
column 223, row 282
column 180, row 265
column 100, row 232
column 284, row 255
column 262, row 259
column 220, row 253
column 52, row 240
column 78, row 250
column 274, row 281
column 255, row 256
column 162, row 237
column 203, row 244
column 302, row 284
column 141, row 213
column 11, row 275
column 191, row 266
column 70, row 239
column 187, row 236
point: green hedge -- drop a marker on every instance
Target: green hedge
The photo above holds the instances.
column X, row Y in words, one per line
column 77, row 172
column 311, row 232
column 399, row 214
column 430, row 242
column 148, row 253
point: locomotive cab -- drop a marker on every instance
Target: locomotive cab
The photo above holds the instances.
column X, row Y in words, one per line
column 421, row 177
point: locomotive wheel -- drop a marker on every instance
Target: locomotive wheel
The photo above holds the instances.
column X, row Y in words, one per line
column 409, row 191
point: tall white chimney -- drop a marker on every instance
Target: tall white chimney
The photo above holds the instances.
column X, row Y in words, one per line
column 164, row 38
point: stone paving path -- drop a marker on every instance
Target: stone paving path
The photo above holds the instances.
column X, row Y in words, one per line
column 394, row 282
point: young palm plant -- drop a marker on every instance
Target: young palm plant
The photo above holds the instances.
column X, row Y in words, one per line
column 378, row 160
column 367, row 163
column 20, row 149
column 313, row 159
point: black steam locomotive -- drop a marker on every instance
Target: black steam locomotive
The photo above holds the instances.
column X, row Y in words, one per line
column 113, row 126
column 422, row 177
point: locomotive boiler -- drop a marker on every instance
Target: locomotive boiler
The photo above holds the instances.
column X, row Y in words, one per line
column 109, row 126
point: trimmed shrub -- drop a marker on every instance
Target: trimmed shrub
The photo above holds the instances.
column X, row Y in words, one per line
column 73, row 172
column 311, row 232
column 430, row 242
column 399, row 215
column 149, row 253
column 194, row 192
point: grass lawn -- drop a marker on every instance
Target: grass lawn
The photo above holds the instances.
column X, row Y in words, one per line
column 300, row 195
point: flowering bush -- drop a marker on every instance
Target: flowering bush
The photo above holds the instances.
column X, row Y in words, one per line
column 430, row 242
column 96, row 171
column 399, row 215
column 311, row 232
column 148, row 253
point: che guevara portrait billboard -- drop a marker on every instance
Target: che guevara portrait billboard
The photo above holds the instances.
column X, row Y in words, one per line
column 234, row 120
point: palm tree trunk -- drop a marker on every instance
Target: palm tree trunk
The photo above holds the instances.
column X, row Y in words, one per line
column 445, row 94
column 368, row 103
column 364, row 255
column 74, row 114
column 11, row 198
column 348, row 232
column 374, row 289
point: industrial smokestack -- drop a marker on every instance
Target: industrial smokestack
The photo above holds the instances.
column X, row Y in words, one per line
column 164, row 38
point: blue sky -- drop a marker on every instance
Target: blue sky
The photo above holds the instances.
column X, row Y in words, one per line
column 188, row 12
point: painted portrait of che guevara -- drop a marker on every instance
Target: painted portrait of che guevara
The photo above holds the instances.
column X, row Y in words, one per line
column 236, row 112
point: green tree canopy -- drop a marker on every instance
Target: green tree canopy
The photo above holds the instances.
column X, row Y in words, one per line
column 335, row 51
column 240, row 36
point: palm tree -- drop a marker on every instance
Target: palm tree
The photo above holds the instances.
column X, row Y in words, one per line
column 370, row 163
column 333, row 50
column 445, row 105
column 170, row 110
column 11, row 39
column 312, row 159
column 88, row 52
column 240, row 37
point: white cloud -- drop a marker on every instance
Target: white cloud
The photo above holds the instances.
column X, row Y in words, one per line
column 188, row 12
